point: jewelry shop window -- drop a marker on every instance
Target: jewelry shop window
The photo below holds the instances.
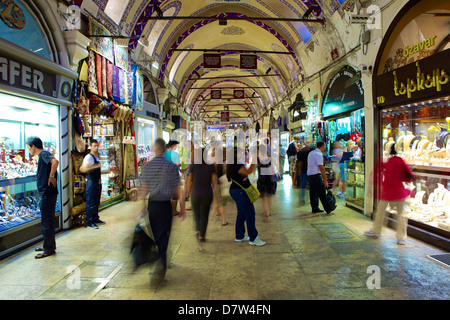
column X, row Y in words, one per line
column 21, row 118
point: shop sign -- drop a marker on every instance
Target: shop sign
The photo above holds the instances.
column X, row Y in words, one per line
column 238, row 94
column 22, row 76
column 410, row 50
column 212, row 62
column 340, row 97
column 248, row 62
column 225, row 117
column 12, row 15
column 417, row 81
column 216, row 95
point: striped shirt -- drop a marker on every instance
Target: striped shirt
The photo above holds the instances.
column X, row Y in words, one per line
column 161, row 178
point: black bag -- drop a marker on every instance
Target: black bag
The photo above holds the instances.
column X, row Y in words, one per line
column 291, row 151
column 330, row 201
column 143, row 248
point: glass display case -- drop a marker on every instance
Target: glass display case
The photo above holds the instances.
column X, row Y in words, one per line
column 147, row 131
column 430, row 200
column 107, row 132
column 21, row 118
column 421, row 136
column 355, row 181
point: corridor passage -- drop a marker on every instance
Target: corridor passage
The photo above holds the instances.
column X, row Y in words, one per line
column 307, row 256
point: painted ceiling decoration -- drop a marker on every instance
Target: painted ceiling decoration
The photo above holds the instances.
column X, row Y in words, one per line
column 170, row 37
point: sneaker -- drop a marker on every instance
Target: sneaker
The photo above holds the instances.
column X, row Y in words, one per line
column 344, row 195
column 371, row 234
column 401, row 242
column 257, row 242
column 100, row 221
column 92, row 226
column 243, row 239
column 339, row 195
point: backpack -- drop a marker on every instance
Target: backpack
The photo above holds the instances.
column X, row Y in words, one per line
column 291, row 151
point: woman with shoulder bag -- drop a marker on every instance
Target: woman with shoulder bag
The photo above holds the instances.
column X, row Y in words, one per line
column 238, row 174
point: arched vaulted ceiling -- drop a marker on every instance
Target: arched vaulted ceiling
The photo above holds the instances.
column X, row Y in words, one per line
column 175, row 34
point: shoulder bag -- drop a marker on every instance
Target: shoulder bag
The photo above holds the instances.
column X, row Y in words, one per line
column 252, row 192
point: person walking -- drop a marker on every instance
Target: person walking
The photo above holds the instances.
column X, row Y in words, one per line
column 160, row 181
column 203, row 179
column 46, row 179
column 302, row 168
column 238, row 173
column 292, row 156
column 266, row 187
column 221, row 194
column 173, row 156
column 91, row 166
column 317, row 179
column 395, row 172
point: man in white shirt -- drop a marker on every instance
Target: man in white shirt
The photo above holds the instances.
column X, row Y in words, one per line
column 317, row 179
column 91, row 166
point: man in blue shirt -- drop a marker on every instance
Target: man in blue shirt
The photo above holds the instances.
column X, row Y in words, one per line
column 174, row 157
column 48, row 193
column 317, row 179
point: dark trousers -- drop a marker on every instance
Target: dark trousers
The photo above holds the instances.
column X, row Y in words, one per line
column 201, row 206
column 160, row 216
column 245, row 213
column 316, row 192
column 93, row 193
column 47, row 206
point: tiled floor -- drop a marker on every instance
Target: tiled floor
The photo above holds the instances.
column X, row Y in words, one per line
column 307, row 256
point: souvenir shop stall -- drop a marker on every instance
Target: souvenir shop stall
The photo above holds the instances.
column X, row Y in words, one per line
column 109, row 90
column 342, row 111
column 35, row 93
column 412, row 99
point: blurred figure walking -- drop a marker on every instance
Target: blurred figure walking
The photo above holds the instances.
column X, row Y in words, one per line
column 160, row 180
column 393, row 193
column 203, row 179
column 265, row 185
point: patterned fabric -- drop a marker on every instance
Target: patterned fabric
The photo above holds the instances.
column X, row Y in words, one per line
column 98, row 67
column 122, row 85
column 92, row 76
column 104, row 91
column 109, row 79
column 116, row 79
column 161, row 178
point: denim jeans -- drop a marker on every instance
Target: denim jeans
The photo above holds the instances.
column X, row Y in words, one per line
column 93, row 192
column 160, row 216
column 245, row 213
column 47, row 206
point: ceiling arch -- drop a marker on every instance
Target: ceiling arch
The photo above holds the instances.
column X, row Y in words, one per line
column 175, row 33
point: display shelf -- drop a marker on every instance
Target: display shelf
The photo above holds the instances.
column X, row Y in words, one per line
column 355, row 180
column 9, row 182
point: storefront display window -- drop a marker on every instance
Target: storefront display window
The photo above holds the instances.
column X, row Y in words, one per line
column 146, row 135
column 19, row 119
column 107, row 132
column 421, row 135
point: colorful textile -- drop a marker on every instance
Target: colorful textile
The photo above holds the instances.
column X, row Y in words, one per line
column 92, row 76
column 104, row 86
column 109, row 79
column 98, row 67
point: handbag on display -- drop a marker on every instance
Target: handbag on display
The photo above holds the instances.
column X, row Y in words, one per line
column 251, row 191
column 79, row 184
column 83, row 102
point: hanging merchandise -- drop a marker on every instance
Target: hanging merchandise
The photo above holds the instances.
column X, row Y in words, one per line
column 83, row 102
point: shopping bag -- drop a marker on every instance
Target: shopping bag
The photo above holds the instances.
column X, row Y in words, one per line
column 330, row 200
column 224, row 186
column 143, row 247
